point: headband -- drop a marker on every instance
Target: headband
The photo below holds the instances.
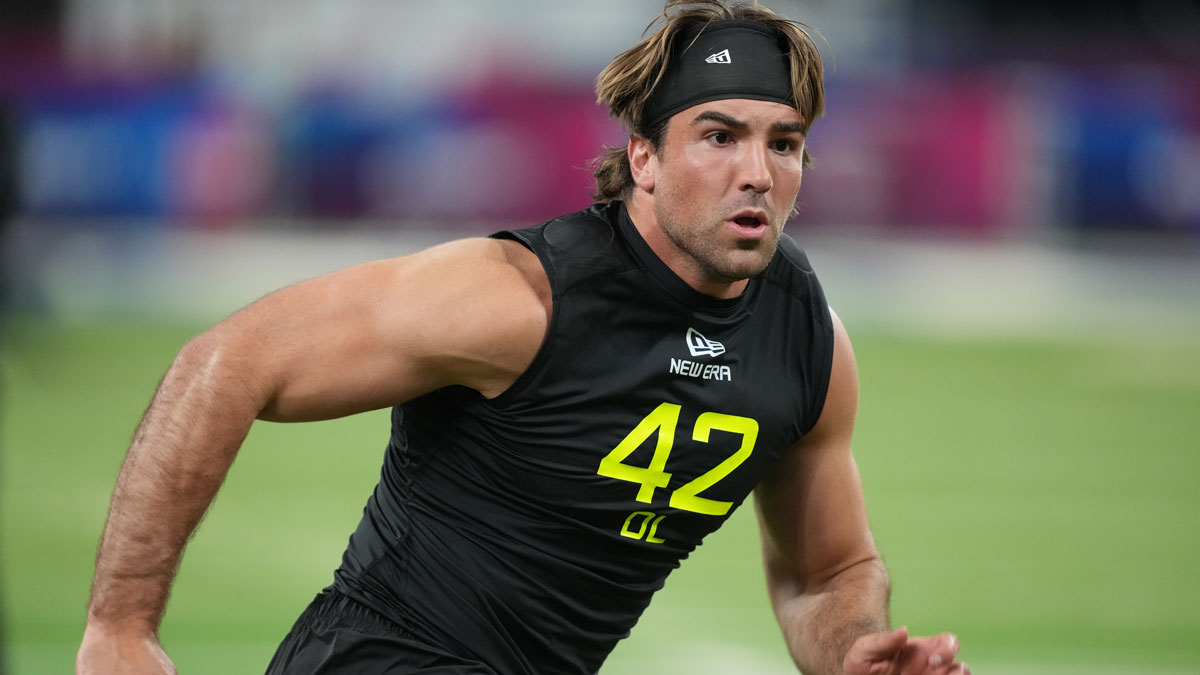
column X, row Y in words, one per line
column 728, row 59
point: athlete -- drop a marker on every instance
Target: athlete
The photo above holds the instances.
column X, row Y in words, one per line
column 575, row 405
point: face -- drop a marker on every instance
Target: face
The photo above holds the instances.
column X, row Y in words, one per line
column 720, row 187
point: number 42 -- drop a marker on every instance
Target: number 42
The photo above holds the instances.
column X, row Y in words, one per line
column 662, row 421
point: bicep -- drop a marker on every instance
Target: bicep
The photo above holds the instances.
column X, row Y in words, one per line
column 384, row 332
column 811, row 510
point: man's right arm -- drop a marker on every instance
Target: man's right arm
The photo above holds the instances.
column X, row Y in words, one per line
column 472, row 312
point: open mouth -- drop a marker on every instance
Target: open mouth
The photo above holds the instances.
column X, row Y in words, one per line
column 749, row 224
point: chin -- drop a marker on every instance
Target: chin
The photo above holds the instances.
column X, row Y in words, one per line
column 752, row 262
column 744, row 269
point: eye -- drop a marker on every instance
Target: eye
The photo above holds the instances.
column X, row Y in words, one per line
column 720, row 137
column 783, row 145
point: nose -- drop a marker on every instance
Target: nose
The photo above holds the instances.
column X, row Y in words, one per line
column 756, row 170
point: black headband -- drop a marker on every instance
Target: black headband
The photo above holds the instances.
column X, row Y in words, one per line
column 729, row 59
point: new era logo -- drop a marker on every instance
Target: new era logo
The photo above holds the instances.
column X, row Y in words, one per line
column 720, row 57
column 699, row 345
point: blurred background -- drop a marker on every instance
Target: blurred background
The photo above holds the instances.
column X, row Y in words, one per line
column 1005, row 210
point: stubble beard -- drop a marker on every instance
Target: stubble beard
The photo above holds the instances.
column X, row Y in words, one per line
column 708, row 248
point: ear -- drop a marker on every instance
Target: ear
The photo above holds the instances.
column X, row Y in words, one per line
column 643, row 163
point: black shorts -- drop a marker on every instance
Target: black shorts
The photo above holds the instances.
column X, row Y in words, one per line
column 338, row 635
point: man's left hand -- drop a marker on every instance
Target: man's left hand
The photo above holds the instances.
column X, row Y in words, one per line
column 898, row 653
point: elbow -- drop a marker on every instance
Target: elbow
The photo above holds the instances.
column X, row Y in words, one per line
column 875, row 572
column 239, row 362
column 866, row 571
column 199, row 351
column 217, row 369
column 206, row 359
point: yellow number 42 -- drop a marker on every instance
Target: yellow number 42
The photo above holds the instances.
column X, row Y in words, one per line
column 662, row 422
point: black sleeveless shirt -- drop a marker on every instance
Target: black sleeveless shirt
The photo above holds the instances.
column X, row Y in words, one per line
column 530, row 531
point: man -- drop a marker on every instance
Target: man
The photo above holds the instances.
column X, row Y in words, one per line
column 576, row 405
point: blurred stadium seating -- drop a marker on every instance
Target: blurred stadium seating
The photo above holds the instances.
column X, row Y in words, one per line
column 222, row 114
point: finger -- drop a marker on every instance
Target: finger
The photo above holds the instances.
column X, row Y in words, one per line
column 876, row 645
column 943, row 649
column 951, row 669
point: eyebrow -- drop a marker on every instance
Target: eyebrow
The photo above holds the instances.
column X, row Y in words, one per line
column 788, row 127
column 722, row 118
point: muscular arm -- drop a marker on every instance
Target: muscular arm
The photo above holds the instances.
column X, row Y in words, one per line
column 825, row 579
column 472, row 312
column 827, row 583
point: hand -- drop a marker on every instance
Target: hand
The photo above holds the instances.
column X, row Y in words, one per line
column 896, row 653
column 106, row 652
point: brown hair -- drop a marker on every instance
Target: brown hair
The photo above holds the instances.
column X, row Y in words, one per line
column 626, row 83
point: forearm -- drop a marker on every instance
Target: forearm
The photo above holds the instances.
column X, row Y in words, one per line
column 821, row 622
column 178, row 459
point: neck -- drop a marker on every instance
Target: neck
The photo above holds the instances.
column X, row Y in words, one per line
column 641, row 212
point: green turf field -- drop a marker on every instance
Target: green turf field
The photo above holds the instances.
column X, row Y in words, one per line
column 1039, row 497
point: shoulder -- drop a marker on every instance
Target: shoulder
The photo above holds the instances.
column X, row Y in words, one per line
column 813, row 334
column 834, row 416
column 791, row 270
column 478, row 309
column 791, row 255
column 503, row 276
column 585, row 232
column 840, row 406
column 495, row 269
column 575, row 246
